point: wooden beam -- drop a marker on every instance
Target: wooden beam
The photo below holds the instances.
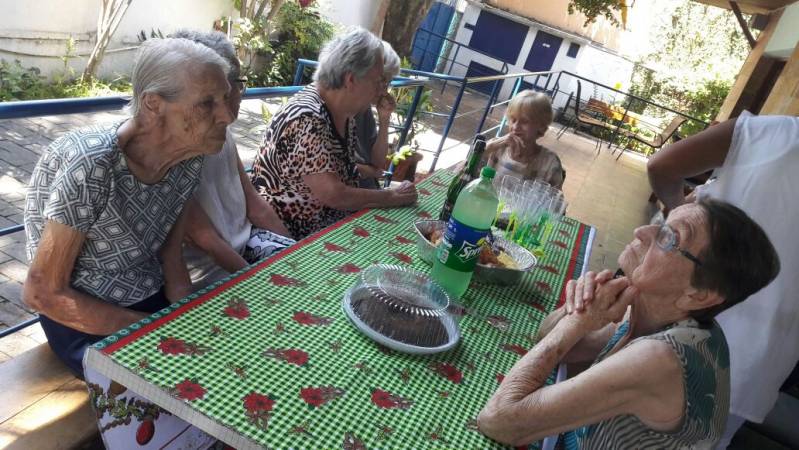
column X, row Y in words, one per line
column 784, row 97
column 737, row 11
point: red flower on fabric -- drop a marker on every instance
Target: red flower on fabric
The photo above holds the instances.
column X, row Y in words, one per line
column 348, row 268
column 172, row 346
column 331, row 247
column 303, row 318
column 382, row 219
column 190, row 390
column 387, row 400
column 424, row 214
column 237, row 309
column 360, row 232
column 294, row 356
column 564, row 233
column 544, row 286
column 423, row 191
column 282, row 280
column 312, row 396
column 402, row 257
column 404, row 240
column 560, row 244
column 447, row 371
column 550, row 269
column 255, row 402
column 515, row 348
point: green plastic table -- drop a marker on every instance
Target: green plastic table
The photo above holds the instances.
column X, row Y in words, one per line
column 267, row 358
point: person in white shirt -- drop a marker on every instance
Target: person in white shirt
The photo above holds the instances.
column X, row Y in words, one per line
column 756, row 162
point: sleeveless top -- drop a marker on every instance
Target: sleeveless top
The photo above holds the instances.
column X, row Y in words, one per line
column 705, row 361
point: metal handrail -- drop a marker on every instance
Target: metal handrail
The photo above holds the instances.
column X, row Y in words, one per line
column 508, row 75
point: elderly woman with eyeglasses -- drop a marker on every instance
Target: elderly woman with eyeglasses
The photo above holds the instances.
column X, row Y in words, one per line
column 104, row 214
column 306, row 168
column 229, row 225
column 660, row 378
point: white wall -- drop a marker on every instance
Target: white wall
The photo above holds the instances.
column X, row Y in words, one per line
column 591, row 62
column 349, row 12
column 785, row 37
column 35, row 32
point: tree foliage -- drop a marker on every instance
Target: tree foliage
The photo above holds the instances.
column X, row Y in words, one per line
column 592, row 9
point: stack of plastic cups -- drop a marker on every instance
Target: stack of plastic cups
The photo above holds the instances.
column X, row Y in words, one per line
column 509, row 195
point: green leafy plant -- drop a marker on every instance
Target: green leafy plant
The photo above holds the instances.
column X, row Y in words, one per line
column 592, row 9
column 404, row 98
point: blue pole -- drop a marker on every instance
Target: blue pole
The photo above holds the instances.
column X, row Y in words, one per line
column 516, row 87
column 409, row 117
column 298, row 73
column 489, row 106
column 448, row 126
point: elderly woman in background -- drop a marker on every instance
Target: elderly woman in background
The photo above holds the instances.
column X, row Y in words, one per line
column 660, row 379
column 306, row 166
column 229, row 225
column 370, row 156
column 104, row 211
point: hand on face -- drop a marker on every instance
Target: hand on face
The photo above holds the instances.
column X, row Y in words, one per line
column 386, row 105
column 581, row 291
column 609, row 304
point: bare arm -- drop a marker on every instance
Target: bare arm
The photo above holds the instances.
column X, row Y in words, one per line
column 641, row 379
column 47, row 288
column 259, row 211
column 177, row 282
column 329, row 189
column 201, row 233
column 697, row 154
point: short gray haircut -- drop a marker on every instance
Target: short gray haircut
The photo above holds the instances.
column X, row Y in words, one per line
column 391, row 61
column 355, row 52
column 214, row 40
column 163, row 66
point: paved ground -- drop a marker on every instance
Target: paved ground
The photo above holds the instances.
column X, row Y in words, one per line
column 605, row 193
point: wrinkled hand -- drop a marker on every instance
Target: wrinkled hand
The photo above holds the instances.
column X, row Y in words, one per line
column 609, row 305
column 513, row 142
column 404, row 194
column 386, row 105
column 580, row 292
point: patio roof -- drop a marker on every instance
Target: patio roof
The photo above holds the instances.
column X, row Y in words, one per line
column 751, row 6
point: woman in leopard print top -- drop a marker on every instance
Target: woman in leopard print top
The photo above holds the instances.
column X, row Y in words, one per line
column 306, row 166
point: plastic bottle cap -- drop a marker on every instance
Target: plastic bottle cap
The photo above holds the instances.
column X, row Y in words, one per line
column 488, row 172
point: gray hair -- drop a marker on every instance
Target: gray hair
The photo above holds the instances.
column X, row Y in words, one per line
column 355, row 52
column 214, row 40
column 163, row 65
column 391, row 61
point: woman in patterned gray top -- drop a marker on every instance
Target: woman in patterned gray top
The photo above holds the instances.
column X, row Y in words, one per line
column 103, row 214
column 661, row 378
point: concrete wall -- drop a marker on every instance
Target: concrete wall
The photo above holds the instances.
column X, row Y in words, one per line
column 786, row 35
column 35, row 32
column 349, row 12
column 591, row 61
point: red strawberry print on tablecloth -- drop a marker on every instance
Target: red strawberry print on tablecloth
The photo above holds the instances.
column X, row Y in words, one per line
column 331, row 247
column 424, row 215
column 402, row 257
column 382, row 219
column 543, row 286
column 189, row 390
column 551, row 269
column 447, row 371
column 174, row 346
column 423, row 191
column 360, row 232
column 306, row 318
column 282, row 280
column 237, row 309
column 560, row 244
column 348, row 268
column 318, row 396
column 292, row 355
column 514, row 348
column 387, row 400
column 258, row 408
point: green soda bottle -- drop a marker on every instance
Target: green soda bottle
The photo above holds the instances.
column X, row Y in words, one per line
column 468, row 174
column 466, row 231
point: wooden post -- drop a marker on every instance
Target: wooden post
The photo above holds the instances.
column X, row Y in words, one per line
column 746, row 82
column 784, row 96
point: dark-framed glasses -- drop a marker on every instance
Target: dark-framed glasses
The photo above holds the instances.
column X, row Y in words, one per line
column 666, row 240
column 239, row 84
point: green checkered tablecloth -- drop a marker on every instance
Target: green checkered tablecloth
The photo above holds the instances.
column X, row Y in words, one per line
column 268, row 359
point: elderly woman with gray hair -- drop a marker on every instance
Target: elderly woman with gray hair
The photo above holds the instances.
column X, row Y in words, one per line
column 306, row 167
column 104, row 212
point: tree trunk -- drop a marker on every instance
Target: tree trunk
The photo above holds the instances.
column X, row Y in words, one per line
column 402, row 20
column 380, row 18
column 111, row 13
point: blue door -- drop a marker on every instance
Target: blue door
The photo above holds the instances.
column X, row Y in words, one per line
column 542, row 54
column 428, row 41
column 478, row 70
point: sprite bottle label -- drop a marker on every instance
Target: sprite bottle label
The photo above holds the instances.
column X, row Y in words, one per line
column 461, row 246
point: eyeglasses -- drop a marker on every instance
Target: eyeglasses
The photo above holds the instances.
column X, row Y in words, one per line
column 240, row 84
column 666, row 240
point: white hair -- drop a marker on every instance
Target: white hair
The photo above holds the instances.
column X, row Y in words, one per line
column 355, row 52
column 163, row 66
column 391, row 61
column 214, row 40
